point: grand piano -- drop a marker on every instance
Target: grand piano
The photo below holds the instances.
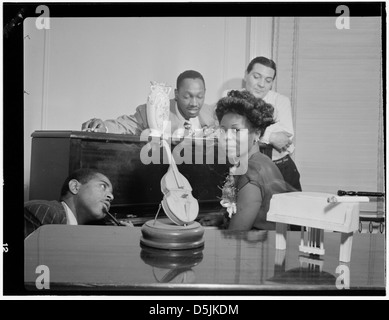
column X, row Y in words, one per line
column 137, row 189
column 230, row 261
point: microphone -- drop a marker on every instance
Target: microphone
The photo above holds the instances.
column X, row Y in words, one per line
column 112, row 217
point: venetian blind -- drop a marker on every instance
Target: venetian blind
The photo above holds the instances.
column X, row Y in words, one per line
column 334, row 80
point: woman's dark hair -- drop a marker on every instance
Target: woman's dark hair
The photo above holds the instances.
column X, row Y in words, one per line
column 81, row 175
column 258, row 112
column 264, row 61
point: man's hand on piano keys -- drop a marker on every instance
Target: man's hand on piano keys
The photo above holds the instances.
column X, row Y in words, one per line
column 126, row 223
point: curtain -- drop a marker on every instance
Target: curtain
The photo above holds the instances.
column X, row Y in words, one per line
column 333, row 78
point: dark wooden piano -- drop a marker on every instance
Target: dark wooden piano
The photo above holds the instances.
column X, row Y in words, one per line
column 137, row 189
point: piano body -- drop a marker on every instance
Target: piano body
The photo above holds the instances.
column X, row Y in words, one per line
column 137, row 188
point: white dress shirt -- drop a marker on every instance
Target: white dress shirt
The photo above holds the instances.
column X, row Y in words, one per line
column 70, row 217
column 283, row 118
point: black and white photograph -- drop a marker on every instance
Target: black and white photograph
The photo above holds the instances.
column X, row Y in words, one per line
column 194, row 149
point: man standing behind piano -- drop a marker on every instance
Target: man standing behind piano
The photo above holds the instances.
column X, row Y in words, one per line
column 259, row 78
column 187, row 111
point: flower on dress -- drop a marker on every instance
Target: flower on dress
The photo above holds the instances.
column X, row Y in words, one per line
column 228, row 198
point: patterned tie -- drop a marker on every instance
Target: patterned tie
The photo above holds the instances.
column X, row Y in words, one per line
column 188, row 128
column 187, row 125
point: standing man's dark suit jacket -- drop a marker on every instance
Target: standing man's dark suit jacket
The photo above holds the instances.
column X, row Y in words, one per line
column 136, row 123
column 40, row 212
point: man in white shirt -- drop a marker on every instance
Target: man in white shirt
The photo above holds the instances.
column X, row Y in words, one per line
column 187, row 111
column 86, row 196
column 259, row 78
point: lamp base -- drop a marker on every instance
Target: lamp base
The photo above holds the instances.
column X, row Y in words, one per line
column 164, row 234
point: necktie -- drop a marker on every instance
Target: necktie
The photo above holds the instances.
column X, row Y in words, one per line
column 187, row 125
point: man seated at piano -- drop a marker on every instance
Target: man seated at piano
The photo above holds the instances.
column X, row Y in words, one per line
column 86, row 197
column 247, row 195
column 187, row 111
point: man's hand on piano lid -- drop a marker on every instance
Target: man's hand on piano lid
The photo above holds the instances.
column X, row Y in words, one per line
column 94, row 125
column 213, row 132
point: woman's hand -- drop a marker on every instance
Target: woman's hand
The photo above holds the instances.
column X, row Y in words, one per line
column 215, row 219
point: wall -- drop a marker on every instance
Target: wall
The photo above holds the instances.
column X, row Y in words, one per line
column 333, row 77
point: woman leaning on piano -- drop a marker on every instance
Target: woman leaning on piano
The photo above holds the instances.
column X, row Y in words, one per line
column 247, row 196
